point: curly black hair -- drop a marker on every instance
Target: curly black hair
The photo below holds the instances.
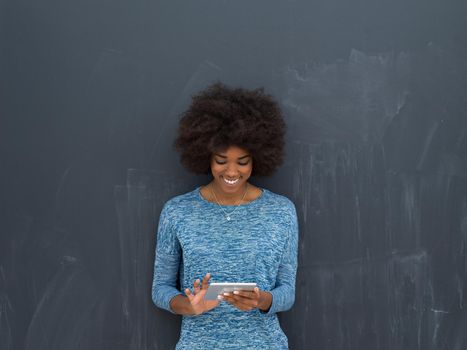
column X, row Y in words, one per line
column 220, row 117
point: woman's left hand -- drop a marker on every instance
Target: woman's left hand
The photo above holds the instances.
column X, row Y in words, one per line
column 248, row 300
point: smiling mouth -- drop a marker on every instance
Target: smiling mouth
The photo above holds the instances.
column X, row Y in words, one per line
column 231, row 182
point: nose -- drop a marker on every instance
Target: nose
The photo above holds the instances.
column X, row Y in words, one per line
column 231, row 170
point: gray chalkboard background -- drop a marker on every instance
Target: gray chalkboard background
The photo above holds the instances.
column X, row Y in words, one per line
column 375, row 97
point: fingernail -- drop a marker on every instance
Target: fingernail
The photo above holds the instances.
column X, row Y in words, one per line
column 220, row 297
column 197, row 280
column 227, row 294
column 236, row 292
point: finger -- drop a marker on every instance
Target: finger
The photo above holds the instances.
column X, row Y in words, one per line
column 189, row 294
column 238, row 304
column 246, row 294
column 246, row 304
column 196, row 286
column 250, row 302
column 206, row 280
column 239, row 300
column 257, row 293
column 227, row 297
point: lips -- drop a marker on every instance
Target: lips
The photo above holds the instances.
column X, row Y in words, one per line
column 231, row 182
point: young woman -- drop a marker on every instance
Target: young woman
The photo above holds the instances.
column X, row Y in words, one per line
column 228, row 230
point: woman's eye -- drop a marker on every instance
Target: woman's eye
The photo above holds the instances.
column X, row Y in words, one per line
column 222, row 162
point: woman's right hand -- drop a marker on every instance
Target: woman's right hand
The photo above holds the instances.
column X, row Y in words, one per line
column 197, row 301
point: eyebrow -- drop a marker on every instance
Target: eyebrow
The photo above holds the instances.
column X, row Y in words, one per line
column 220, row 155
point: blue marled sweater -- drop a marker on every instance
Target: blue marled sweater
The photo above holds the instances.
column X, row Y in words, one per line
column 259, row 244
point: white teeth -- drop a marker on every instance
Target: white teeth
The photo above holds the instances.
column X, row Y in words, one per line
column 231, row 182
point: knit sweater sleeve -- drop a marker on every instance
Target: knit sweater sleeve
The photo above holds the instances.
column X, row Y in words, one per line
column 283, row 294
column 166, row 263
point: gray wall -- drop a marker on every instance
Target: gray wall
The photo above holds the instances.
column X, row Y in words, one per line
column 375, row 99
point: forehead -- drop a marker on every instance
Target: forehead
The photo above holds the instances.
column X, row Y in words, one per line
column 232, row 152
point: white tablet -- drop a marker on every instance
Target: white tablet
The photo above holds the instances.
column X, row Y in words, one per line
column 215, row 289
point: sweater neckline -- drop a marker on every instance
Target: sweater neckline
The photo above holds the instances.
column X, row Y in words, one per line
column 256, row 200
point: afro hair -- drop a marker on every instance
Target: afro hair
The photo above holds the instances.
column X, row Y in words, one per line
column 220, row 117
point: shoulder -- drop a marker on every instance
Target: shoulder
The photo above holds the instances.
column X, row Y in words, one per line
column 281, row 211
column 178, row 205
column 280, row 207
column 280, row 202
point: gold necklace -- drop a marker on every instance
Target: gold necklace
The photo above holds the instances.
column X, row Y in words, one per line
column 227, row 215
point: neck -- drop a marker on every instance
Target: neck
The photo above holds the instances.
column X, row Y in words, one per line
column 229, row 198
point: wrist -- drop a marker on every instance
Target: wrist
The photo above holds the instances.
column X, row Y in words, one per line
column 265, row 301
column 181, row 305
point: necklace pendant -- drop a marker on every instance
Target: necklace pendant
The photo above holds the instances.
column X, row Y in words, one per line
column 228, row 218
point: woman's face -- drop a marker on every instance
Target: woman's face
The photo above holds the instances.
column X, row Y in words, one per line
column 231, row 169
